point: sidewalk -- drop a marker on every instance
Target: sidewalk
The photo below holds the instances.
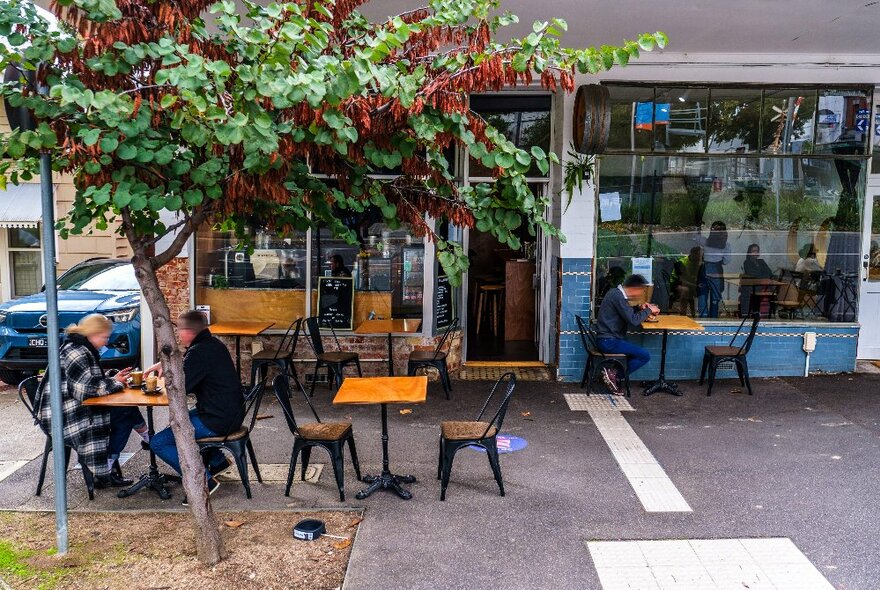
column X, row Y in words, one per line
column 797, row 460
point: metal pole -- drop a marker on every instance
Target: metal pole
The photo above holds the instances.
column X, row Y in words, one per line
column 52, row 338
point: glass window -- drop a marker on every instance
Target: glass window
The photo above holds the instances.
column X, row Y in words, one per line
column 116, row 277
column 26, row 278
column 843, row 122
column 24, row 237
column 524, row 120
column 680, row 119
column 734, row 120
column 875, row 162
column 730, row 236
column 632, row 118
column 788, row 120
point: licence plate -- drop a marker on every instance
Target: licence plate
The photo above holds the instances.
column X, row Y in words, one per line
column 38, row 342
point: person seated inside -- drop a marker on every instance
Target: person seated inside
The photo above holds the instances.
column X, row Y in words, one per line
column 750, row 295
column 338, row 268
column 754, row 266
column 809, row 260
column 616, row 316
column 688, row 281
column 211, row 376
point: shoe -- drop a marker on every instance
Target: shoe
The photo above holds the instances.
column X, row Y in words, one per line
column 111, row 481
column 219, row 468
column 213, row 486
column 145, row 445
column 610, row 379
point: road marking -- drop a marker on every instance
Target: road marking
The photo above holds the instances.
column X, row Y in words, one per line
column 583, row 402
column 705, row 564
column 7, row 468
column 646, row 476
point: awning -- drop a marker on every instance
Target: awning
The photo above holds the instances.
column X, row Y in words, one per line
column 20, row 205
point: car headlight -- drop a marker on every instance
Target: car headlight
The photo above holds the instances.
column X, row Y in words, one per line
column 122, row 315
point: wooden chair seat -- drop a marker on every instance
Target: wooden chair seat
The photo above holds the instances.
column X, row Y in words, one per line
column 267, row 354
column 723, row 350
column 453, row 430
column 237, row 435
column 325, row 430
column 426, row 355
column 337, row 357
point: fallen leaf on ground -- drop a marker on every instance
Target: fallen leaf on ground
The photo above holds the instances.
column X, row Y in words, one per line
column 354, row 522
column 525, row 414
column 342, row 544
column 736, row 390
column 233, row 524
column 264, row 416
column 405, row 411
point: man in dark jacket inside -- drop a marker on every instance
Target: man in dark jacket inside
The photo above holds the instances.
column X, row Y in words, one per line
column 210, row 376
column 616, row 316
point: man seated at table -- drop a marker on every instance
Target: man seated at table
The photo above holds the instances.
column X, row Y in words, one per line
column 616, row 316
column 211, row 376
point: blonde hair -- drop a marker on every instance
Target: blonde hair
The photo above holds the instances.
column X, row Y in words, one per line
column 90, row 325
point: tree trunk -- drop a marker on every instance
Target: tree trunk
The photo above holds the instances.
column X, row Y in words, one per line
column 209, row 542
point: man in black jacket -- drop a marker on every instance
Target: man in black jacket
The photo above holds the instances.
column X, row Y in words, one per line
column 617, row 315
column 211, row 376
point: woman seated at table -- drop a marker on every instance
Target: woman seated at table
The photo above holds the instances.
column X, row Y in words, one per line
column 98, row 435
column 750, row 293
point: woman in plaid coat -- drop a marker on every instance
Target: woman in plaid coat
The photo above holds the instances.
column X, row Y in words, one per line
column 87, row 429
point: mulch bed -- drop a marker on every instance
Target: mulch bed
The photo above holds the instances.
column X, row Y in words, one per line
column 153, row 551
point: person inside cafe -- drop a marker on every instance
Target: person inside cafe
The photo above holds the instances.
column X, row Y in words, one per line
column 688, row 281
column 616, row 315
column 97, row 434
column 338, row 268
column 211, row 376
column 610, row 280
column 716, row 255
column 755, row 295
column 809, row 259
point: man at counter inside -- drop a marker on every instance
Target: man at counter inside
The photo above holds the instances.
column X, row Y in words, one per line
column 338, row 268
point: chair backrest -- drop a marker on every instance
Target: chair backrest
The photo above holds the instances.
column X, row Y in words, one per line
column 283, row 344
column 747, row 343
column 450, row 329
column 27, row 393
column 253, row 399
column 314, row 326
column 586, row 335
column 290, row 345
column 509, row 379
column 281, row 387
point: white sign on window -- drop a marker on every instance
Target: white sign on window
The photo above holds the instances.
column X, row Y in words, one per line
column 609, row 206
column 644, row 267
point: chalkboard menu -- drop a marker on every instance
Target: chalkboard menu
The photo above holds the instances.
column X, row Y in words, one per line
column 336, row 301
column 444, row 311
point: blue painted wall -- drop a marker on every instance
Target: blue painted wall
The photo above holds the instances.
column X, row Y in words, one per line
column 777, row 350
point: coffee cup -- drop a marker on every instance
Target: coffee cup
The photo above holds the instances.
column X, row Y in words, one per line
column 152, row 383
column 137, row 377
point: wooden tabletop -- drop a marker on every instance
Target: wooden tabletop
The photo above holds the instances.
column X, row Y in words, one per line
column 239, row 328
column 673, row 322
column 130, row 396
column 388, row 327
column 753, row 282
column 382, row 390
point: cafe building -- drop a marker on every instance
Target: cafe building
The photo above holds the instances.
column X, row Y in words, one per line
column 733, row 170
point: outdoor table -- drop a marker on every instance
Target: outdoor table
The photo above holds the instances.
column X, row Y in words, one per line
column 384, row 391
column 772, row 286
column 390, row 327
column 239, row 329
column 134, row 396
column 676, row 323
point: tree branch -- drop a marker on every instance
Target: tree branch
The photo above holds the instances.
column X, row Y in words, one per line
column 180, row 239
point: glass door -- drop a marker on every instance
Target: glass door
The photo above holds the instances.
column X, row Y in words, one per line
column 869, row 302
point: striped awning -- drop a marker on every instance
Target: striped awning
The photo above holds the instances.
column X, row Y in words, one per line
column 20, row 205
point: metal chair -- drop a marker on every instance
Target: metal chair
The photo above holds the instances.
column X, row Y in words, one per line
column 330, row 436
column 239, row 441
column 335, row 362
column 419, row 359
column 27, row 393
column 715, row 355
column 596, row 359
column 455, row 435
column 281, row 357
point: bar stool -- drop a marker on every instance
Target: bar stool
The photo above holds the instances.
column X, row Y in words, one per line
column 491, row 299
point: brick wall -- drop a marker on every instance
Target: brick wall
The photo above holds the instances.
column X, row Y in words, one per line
column 174, row 281
column 776, row 351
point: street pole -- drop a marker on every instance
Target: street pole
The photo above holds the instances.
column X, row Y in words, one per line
column 53, row 339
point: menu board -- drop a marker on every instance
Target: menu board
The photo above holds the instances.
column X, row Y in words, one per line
column 336, row 301
column 444, row 311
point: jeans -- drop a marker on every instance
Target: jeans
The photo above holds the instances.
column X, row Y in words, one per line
column 122, row 422
column 165, row 448
column 636, row 356
column 714, row 289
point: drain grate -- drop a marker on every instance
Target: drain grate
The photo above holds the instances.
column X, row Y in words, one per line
column 582, row 402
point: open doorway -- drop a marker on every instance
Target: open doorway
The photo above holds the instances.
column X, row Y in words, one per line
column 502, row 287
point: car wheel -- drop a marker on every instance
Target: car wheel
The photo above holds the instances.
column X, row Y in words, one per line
column 13, row 377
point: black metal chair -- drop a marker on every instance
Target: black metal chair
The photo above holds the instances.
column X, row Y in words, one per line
column 330, row 436
column 281, row 357
column 335, row 362
column 419, row 359
column 27, row 393
column 715, row 355
column 596, row 359
column 239, row 441
column 455, row 435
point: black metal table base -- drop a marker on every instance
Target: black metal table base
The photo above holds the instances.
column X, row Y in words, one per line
column 386, row 481
column 152, row 480
column 662, row 384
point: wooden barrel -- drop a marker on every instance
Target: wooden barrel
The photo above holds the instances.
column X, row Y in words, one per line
column 592, row 119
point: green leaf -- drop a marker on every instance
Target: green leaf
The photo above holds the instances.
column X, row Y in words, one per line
column 90, row 136
column 121, row 199
column 108, row 144
column 167, row 100
column 538, row 153
column 126, row 152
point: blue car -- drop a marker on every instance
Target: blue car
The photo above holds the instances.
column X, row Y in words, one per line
column 106, row 286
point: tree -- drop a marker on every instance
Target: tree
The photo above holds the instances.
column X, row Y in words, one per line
column 152, row 109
